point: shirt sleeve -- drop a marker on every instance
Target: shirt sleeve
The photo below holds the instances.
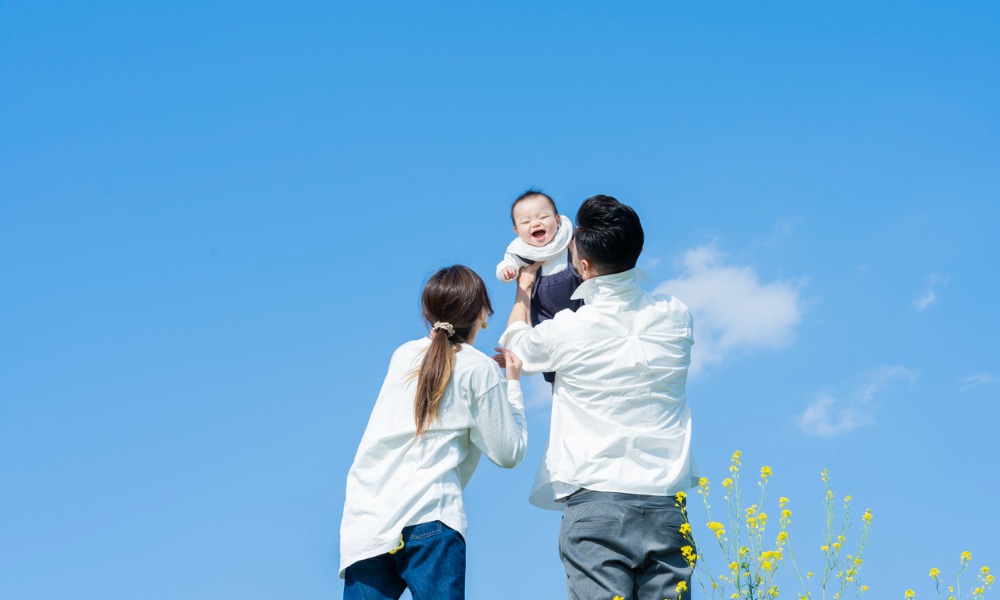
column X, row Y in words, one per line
column 509, row 260
column 530, row 345
column 501, row 431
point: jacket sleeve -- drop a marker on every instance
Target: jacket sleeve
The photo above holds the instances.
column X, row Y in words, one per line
column 530, row 345
column 501, row 431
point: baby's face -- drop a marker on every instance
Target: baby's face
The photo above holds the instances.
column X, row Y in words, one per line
column 535, row 221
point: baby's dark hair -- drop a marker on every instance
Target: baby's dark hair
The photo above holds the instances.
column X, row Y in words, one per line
column 531, row 193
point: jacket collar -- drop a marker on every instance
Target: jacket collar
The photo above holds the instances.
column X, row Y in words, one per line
column 610, row 284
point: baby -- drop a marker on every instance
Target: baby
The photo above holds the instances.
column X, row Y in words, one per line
column 543, row 235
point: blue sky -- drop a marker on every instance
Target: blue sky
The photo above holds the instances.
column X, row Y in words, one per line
column 215, row 220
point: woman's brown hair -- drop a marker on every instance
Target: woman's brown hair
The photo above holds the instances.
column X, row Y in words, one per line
column 456, row 296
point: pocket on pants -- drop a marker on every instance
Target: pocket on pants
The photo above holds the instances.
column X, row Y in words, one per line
column 425, row 530
column 593, row 516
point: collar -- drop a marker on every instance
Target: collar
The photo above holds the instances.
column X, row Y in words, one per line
column 555, row 247
column 589, row 289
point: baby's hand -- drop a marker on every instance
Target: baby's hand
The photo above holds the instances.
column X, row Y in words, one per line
column 508, row 273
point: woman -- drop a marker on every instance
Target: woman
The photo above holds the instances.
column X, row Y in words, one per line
column 442, row 405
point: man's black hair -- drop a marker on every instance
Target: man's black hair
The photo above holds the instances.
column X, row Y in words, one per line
column 608, row 235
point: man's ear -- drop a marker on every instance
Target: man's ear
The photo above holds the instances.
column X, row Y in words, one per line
column 587, row 268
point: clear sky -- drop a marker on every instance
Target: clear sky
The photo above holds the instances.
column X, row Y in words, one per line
column 216, row 218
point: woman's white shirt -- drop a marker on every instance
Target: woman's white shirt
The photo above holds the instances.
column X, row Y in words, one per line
column 398, row 479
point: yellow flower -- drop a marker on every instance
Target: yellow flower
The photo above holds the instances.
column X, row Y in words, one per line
column 727, row 482
column 782, row 502
column 847, row 498
column 717, row 528
column 988, row 580
column 836, row 546
column 765, row 472
column 935, row 573
column 681, row 587
column 984, row 570
column 782, row 536
column 966, row 556
column 685, row 528
column 618, row 598
column 736, row 456
column 864, row 588
column 681, row 496
column 824, row 548
column 744, row 551
column 703, row 484
column 734, row 566
column 978, row 591
column 785, row 514
column 909, row 594
column 867, row 516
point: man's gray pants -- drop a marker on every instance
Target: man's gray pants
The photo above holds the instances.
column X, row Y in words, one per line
column 628, row 545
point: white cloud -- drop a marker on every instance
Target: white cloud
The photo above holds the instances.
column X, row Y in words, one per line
column 928, row 296
column 733, row 310
column 828, row 416
column 975, row 380
column 880, row 378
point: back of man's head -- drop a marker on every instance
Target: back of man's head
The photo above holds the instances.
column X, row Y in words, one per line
column 608, row 235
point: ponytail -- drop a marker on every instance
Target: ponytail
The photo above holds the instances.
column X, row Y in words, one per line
column 453, row 300
column 435, row 373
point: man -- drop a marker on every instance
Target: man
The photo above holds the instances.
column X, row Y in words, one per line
column 620, row 441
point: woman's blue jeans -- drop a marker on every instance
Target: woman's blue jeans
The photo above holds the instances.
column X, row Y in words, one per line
column 431, row 563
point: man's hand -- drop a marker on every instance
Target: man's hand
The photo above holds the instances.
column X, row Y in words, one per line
column 526, row 278
column 521, row 311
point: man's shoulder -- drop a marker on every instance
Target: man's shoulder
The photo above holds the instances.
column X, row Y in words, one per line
column 671, row 303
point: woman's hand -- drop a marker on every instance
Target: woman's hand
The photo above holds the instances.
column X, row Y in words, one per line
column 510, row 363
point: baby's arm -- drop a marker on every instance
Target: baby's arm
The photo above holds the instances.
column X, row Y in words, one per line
column 509, row 266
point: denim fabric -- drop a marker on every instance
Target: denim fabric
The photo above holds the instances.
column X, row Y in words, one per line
column 629, row 545
column 431, row 564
